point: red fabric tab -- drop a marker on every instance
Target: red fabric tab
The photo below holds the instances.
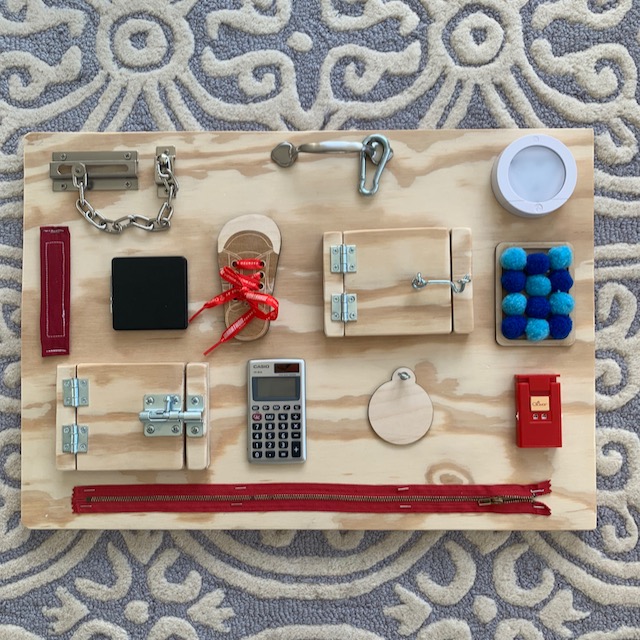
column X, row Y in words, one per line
column 55, row 297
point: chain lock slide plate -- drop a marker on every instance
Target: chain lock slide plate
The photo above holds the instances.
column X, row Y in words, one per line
column 106, row 170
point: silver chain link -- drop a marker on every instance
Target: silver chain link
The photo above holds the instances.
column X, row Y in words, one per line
column 162, row 222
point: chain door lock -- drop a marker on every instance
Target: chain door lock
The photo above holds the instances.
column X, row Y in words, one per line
column 114, row 170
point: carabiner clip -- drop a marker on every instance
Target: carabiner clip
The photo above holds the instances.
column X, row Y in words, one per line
column 376, row 148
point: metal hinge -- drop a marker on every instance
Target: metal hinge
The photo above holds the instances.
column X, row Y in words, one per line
column 75, row 392
column 104, row 170
column 162, row 415
column 344, row 307
column 75, row 438
column 343, row 258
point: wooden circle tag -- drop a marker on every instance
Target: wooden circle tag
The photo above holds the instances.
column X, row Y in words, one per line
column 401, row 411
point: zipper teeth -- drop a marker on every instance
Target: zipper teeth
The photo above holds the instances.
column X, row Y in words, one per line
column 310, row 496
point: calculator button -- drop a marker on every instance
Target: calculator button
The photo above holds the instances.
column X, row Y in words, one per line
column 276, row 407
column 256, row 417
column 296, row 407
column 256, row 436
column 269, row 416
column 269, row 435
column 256, row 455
column 295, row 416
column 265, row 407
column 295, row 425
column 269, row 426
column 287, row 407
column 296, row 450
column 256, row 445
column 283, row 445
column 282, row 425
column 255, row 407
column 282, row 416
column 296, row 435
column 270, row 454
column 256, row 426
column 269, row 444
column 283, row 454
column 283, row 435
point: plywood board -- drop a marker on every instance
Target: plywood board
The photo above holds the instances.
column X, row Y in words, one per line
column 469, row 377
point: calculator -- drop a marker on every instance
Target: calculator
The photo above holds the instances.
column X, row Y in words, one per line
column 276, row 424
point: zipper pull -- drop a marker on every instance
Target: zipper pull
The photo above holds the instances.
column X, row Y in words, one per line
column 489, row 500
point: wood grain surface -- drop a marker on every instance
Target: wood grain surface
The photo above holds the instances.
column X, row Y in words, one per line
column 435, row 179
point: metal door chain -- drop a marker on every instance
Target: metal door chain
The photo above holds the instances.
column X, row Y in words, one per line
column 162, row 222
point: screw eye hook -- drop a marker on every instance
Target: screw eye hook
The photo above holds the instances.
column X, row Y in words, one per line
column 458, row 286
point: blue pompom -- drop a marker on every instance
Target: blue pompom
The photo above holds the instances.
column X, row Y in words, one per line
column 514, row 304
column 561, row 303
column 538, row 286
column 560, row 326
column 561, row 280
column 513, row 281
column 537, row 329
column 538, row 307
column 513, row 327
column 513, row 258
column 537, row 263
column 560, row 257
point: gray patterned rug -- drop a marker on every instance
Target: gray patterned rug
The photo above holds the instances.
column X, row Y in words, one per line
column 313, row 64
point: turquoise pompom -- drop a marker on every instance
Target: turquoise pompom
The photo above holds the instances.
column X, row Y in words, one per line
column 561, row 303
column 538, row 286
column 513, row 258
column 514, row 304
column 560, row 257
column 537, row 329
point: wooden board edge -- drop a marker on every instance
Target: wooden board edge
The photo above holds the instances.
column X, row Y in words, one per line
column 462, row 265
column 197, row 450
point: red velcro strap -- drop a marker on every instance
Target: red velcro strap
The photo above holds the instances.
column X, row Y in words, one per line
column 55, row 283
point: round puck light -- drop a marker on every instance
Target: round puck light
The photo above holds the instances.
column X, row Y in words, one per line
column 534, row 176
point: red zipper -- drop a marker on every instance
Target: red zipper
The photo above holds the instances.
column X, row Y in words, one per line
column 354, row 498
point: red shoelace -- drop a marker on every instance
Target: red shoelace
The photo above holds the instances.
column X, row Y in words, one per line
column 245, row 287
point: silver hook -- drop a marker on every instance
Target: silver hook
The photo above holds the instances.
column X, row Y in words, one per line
column 375, row 146
column 457, row 287
column 403, row 375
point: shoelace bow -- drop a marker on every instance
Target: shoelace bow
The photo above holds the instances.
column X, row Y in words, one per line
column 243, row 287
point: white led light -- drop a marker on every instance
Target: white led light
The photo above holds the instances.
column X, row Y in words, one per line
column 534, row 176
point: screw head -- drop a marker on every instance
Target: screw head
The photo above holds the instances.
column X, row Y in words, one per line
column 127, row 184
column 66, row 430
column 63, row 156
column 150, row 429
column 194, row 430
column 149, row 400
column 127, row 155
column 175, row 428
column 195, row 400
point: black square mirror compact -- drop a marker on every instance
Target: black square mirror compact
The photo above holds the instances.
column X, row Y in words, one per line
column 149, row 293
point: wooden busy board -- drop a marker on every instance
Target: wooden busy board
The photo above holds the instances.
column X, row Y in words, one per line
column 435, row 179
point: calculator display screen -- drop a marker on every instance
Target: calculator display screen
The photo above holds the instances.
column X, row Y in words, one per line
column 274, row 388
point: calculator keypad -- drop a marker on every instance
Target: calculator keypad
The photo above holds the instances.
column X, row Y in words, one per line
column 276, row 434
